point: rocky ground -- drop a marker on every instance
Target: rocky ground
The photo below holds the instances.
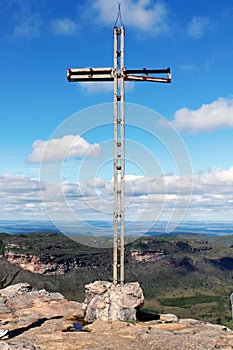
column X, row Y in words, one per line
column 37, row 319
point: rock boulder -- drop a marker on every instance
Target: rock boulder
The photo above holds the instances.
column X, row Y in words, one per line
column 107, row 301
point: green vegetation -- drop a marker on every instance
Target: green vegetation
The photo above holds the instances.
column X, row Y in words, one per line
column 187, row 302
column 189, row 275
column 5, row 281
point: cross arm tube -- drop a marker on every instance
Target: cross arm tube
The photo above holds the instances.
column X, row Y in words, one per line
column 90, row 74
column 90, row 78
column 83, row 71
column 148, row 71
column 146, row 78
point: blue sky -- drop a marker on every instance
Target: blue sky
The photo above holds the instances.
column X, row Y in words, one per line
column 41, row 39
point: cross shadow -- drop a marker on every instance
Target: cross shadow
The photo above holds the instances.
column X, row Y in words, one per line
column 15, row 332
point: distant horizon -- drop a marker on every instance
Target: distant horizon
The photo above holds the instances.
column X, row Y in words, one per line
column 100, row 220
column 105, row 228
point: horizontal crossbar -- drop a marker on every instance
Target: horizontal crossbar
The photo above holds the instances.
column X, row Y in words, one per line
column 83, row 71
column 146, row 78
column 74, row 78
column 148, row 71
column 108, row 74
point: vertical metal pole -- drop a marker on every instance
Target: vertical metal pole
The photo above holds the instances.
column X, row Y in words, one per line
column 122, row 158
column 232, row 304
column 115, row 184
column 119, row 156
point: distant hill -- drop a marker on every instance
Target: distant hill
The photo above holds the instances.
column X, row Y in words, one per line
column 186, row 274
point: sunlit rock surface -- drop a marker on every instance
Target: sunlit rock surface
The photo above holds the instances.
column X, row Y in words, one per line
column 109, row 302
column 40, row 320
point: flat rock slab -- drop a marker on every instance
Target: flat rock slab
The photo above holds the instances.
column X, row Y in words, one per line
column 118, row 335
column 44, row 321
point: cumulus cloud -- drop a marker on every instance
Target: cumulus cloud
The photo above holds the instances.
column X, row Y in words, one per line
column 218, row 181
column 209, row 117
column 145, row 197
column 17, row 184
column 142, row 14
column 29, row 21
column 96, row 183
column 145, row 194
column 197, row 26
column 69, row 146
column 64, row 26
column 19, row 196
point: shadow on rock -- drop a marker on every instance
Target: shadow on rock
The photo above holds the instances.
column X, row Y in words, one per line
column 146, row 316
column 38, row 323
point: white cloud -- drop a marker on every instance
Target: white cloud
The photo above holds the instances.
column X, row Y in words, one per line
column 20, row 196
column 18, row 184
column 28, row 27
column 96, row 183
column 211, row 191
column 29, row 20
column 64, row 26
column 209, row 117
column 69, row 146
column 218, row 181
column 25, row 17
column 143, row 14
column 97, row 87
column 197, row 26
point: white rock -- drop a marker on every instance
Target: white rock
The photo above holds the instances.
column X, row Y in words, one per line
column 109, row 302
column 169, row 318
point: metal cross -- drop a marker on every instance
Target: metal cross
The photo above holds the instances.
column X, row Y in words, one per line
column 118, row 74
